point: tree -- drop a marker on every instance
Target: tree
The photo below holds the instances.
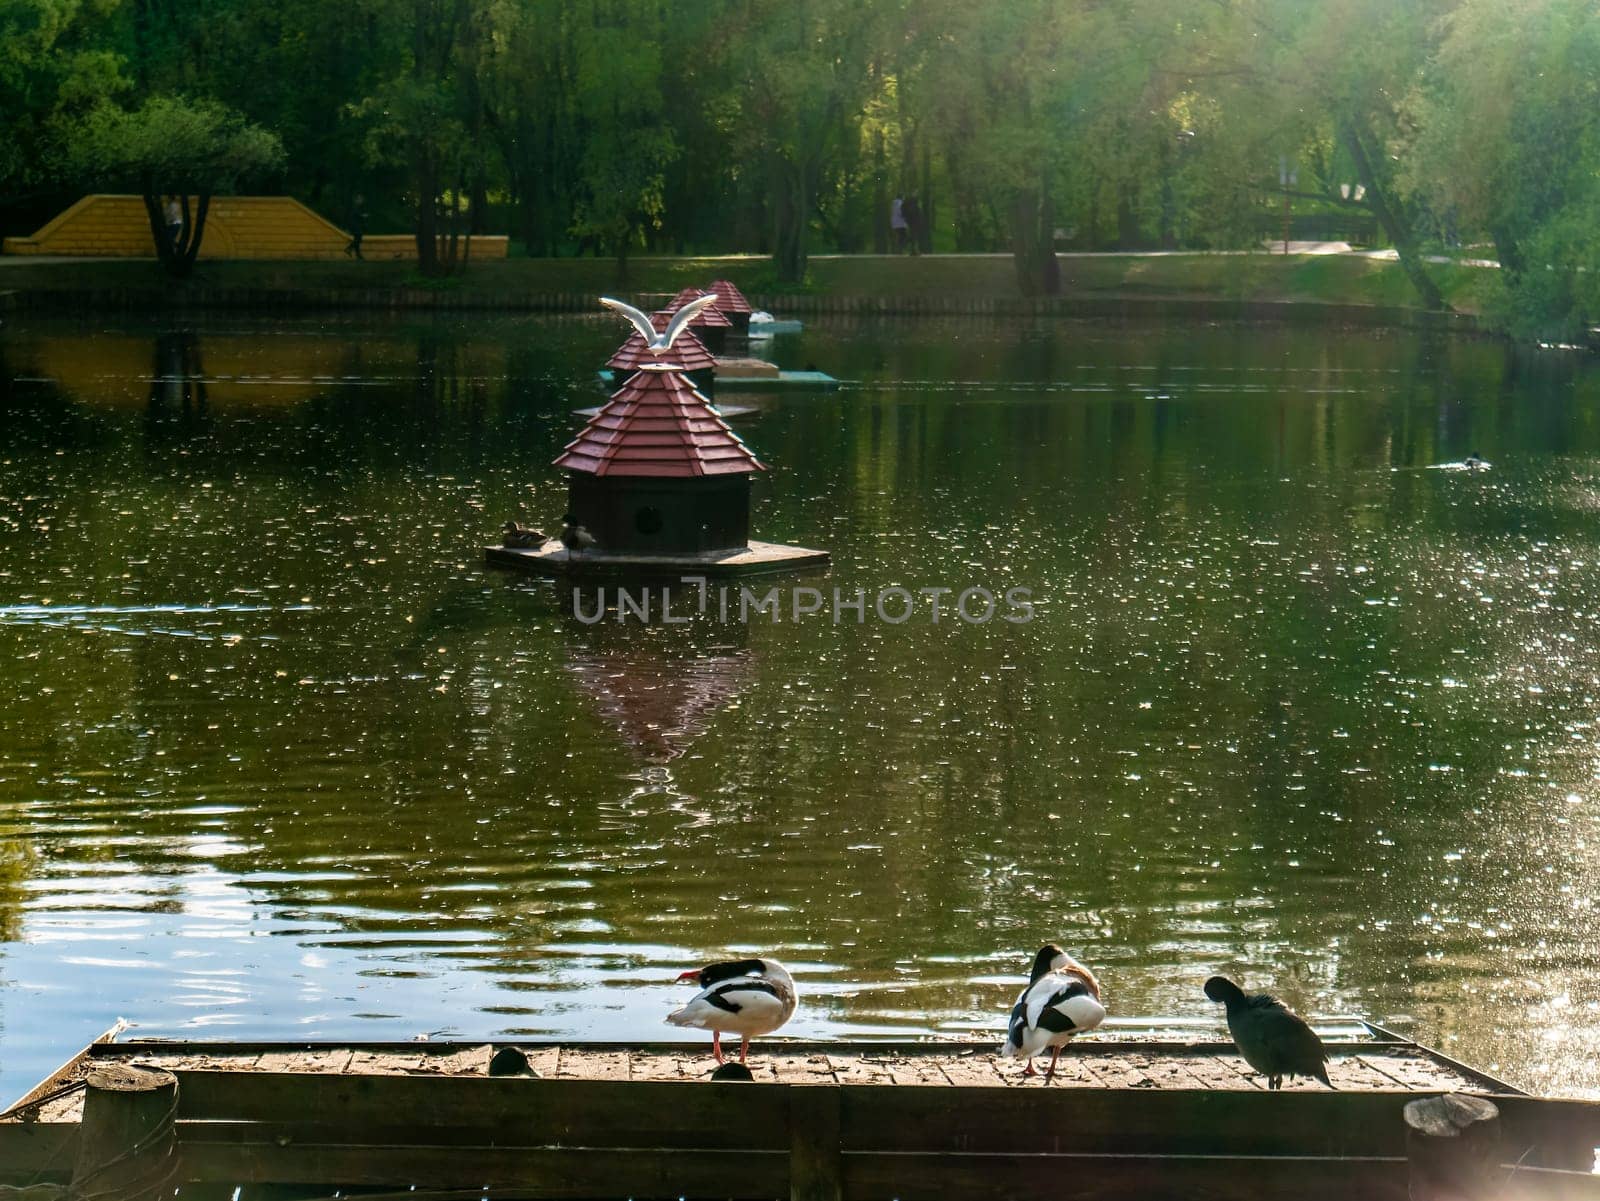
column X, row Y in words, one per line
column 51, row 70
column 800, row 79
column 1325, row 71
column 1506, row 144
column 172, row 145
column 619, row 112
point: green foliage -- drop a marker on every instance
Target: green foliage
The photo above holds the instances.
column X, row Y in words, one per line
column 787, row 126
column 1507, row 147
column 171, row 144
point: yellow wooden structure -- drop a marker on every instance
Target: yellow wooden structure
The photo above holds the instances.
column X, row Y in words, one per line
column 237, row 227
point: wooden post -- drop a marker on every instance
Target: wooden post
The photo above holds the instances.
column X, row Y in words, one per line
column 814, row 1158
column 1453, row 1147
column 127, row 1142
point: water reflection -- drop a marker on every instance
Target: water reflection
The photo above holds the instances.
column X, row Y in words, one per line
column 283, row 759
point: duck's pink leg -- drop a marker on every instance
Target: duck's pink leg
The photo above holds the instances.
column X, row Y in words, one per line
column 1050, row 1072
column 716, row 1046
column 1027, row 1069
column 744, row 1048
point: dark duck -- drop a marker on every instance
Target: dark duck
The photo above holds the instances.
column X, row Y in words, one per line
column 1062, row 1000
column 1273, row 1039
column 573, row 536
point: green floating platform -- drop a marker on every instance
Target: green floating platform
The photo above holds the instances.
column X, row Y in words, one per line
column 799, row 381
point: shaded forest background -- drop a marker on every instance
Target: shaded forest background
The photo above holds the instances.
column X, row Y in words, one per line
column 617, row 127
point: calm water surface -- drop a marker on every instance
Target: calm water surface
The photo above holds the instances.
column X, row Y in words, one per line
column 279, row 759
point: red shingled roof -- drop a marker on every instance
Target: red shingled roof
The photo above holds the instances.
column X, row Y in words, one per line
column 656, row 424
column 729, row 298
column 712, row 316
column 686, row 351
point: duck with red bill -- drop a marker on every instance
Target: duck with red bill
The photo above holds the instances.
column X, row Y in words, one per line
column 747, row 997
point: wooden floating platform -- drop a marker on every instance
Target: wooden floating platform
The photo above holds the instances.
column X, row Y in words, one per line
column 820, row 1122
column 759, row 558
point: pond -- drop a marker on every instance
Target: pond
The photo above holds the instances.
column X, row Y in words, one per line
column 279, row 758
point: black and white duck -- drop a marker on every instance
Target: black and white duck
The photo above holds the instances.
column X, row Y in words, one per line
column 747, row 997
column 1062, row 1000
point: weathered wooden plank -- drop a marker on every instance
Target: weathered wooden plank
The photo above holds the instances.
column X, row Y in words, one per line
column 533, row 1173
column 814, row 1159
column 981, row 1070
column 670, row 1067
column 581, row 1064
column 1166, row 1122
column 325, row 1060
column 879, row 1177
column 914, row 1071
column 1550, row 1184
column 385, row 1063
column 31, row 1151
column 511, row 1110
column 802, row 1069
column 544, row 1062
column 1549, row 1133
column 1350, row 1072
column 458, row 1061
column 856, row 1069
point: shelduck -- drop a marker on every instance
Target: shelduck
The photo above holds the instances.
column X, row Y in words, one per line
column 747, row 997
column 1062, row 1000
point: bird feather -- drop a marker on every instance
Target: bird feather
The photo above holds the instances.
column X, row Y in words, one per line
column 681, row 319
column 639, row 319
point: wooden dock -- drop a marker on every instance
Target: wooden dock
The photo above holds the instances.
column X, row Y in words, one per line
column 819, row 1121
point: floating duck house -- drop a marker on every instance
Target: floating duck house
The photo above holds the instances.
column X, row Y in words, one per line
column 710, row 323
column 657, row 483
column 656, row 471
column 732, row 304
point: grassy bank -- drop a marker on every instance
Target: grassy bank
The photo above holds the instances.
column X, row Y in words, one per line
column 1325, row 279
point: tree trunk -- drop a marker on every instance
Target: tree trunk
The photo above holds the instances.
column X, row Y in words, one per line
column 1127, row 220
column 189, row 244
column 1507, row 250
column 158, row 226
column 177, row 259
column 880, row 197
column 1389, row 217
column 924, row 231
column 790, row 209
column 1033, row 243
column 427, row 216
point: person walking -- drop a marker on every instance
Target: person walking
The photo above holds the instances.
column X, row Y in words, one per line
column 913, row 215
column 897, row 223
column 358, row 225
column 174, row 214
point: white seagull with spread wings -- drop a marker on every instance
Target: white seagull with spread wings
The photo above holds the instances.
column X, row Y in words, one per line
column 655, row 342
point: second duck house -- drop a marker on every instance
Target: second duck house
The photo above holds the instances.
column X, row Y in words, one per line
column 656, row 472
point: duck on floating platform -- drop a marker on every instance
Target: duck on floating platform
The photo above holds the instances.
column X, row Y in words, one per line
column 521, row 536
column 1062, row 1000
column 747, row 997
column 573, row 536
column 1474, row 461
column 1273, row 1039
